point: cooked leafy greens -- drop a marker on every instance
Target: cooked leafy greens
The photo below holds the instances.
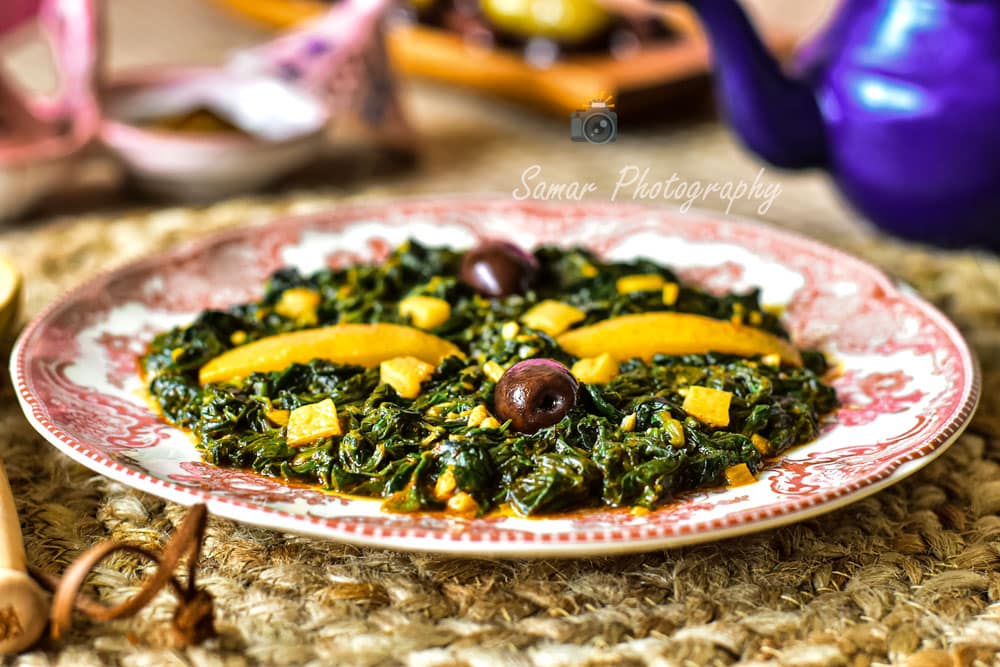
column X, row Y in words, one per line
column 626, row 443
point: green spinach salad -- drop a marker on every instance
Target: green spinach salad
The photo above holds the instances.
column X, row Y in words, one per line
column 492, row 380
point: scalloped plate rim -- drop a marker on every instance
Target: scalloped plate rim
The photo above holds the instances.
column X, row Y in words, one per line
column 91, row 457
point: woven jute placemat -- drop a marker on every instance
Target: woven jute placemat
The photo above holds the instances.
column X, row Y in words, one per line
column 910, row 575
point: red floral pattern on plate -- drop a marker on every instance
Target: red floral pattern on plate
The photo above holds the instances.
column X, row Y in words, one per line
column 717, row 279
column 864, row 399
column 908, row 380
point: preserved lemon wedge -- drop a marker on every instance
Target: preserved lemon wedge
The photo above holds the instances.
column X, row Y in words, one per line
column 648, row 334
column 10, row 295
column 361, row 344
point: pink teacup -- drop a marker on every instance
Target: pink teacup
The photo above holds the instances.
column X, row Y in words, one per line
column 202, row 165
column 39, row 135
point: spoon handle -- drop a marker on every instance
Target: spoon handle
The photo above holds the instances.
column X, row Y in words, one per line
column 24, row 609
column 11, row 544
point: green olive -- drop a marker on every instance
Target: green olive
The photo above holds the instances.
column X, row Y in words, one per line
column 565, row 21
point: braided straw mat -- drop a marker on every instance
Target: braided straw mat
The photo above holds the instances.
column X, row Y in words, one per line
column 908, row 576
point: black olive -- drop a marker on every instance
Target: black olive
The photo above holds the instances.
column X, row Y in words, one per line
column 497, row 268
column 535, row 393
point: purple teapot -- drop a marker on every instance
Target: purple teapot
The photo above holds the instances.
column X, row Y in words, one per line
column 897, row 99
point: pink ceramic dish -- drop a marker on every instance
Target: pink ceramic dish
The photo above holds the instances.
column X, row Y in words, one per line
column 198, row 166
column 909, row 383
column 44, row 132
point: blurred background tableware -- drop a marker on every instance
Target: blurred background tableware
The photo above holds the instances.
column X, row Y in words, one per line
column 895, row 98
column 553, row 55
column 42, row 130
column 175, row 142
column 203, row 133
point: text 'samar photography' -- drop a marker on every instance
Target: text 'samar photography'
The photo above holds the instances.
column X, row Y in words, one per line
column 638, row 183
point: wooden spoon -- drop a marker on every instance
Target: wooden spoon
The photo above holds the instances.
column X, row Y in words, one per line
column 23, row 606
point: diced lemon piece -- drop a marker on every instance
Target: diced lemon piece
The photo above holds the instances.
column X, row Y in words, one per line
column 490, row 422
column 279, row 417
column 299, row 304
column 628, row 422
column 640, row 282
column 670, row 293
column 773, row 360
column 588, row 270
column 493, row 370
column 362, row 344
column 425, row 312
column 647, row 334
column 739, row 475
column 509, row 330
column 10, row 295
column 755, row 318
column 596, row 370
column 439, row 409
column 238, row 337
column 553, row 317
column 405, row 375
column 462, row 503
column 710, row 406
column 674, row 428
column 478, row 415
column 762, row 444
column 445, row 485
column 309, row 423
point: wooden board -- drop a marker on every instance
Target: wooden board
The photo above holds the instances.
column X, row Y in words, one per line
column 647, row 78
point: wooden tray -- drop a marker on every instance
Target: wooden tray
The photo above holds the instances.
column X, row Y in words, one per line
column 647, row 79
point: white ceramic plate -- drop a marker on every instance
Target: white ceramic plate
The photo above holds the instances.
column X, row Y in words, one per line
column 909, row 383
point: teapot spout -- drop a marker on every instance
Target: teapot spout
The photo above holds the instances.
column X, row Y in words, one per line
column 776, row 116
